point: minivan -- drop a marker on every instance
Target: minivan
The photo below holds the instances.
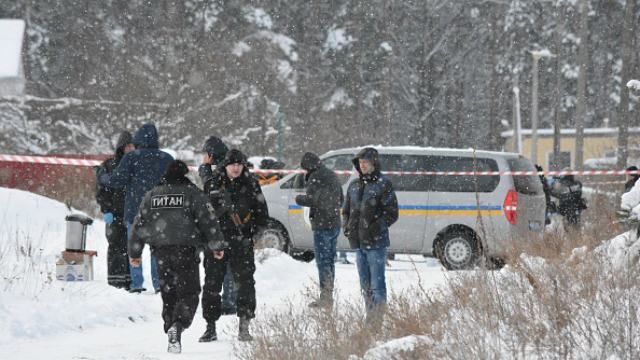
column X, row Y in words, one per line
column 456, row 218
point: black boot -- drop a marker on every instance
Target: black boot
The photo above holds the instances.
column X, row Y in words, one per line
column 174, row 334
column 243, row 330
column 209, row 334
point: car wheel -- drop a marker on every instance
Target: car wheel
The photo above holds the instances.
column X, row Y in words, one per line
column 274, row 237
column 458, row 250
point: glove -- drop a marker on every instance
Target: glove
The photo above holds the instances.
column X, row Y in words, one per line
column 108, row 218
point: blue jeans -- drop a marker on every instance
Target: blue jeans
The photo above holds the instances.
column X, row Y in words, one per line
column 230, row 294
column 137, row 278
column 324, row 243
column 371, row 265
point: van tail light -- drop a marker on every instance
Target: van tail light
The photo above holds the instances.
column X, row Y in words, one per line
column 511, row 207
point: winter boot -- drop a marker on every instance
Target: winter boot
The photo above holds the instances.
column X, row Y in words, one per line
column 243, row 330
column 174, row 334
column 209, row 334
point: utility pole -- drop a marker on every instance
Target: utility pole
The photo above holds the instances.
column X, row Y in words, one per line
column 537, row 54
column 581, row 106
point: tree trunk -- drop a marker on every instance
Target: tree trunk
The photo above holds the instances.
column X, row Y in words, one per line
column 627, row 66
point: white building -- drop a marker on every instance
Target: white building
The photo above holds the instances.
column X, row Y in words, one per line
column 12, row 79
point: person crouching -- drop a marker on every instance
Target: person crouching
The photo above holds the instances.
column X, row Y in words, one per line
column 177, row 221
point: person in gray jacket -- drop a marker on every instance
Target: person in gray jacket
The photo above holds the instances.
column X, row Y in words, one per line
column 177, row 221
column 324, row 198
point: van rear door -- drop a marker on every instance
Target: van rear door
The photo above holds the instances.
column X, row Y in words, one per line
column 531, row 203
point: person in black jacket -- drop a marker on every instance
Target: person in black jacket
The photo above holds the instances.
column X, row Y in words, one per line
column 370, row 208
column 241, row 210
column 111, row 203
column 214, row 151
column 324, row 198
column 631, row 179
column 177, row 221
column 550, row 206
column 568, row 191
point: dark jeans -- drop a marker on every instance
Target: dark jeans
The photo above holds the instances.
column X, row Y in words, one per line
column 371, row 266
column 229, row 291
column 117, row 259
column 241, row 261
column 179, row 273
column 324, row 243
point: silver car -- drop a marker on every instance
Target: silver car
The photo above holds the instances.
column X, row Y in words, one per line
column 455, row 218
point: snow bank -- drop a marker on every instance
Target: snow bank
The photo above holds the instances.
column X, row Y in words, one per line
column 394, row 347
column 32, row 302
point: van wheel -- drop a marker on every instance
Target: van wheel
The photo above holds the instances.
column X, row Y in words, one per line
column 458, row 250
column 304, row 256
column 274, row 237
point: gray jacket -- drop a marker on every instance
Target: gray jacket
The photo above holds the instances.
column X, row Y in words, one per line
column 324, row 194
column 175, row 213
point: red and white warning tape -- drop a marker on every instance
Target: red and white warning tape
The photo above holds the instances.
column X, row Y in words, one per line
column 88, row 162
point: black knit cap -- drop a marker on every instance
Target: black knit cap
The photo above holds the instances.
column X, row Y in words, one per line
column 215, row 148
column 176, row 169
column 124, row 139
column 234, row 156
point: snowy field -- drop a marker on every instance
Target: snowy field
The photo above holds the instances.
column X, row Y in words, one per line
column 41, row 317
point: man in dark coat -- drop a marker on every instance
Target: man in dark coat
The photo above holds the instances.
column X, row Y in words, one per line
column 568, row 191
column 631, row 179
column 214, row 151
column 324, row 198
column 550, row 206
column 370, row 208
column 111, row 203
column 177, row 221
column 138, row 172
column 241, row 210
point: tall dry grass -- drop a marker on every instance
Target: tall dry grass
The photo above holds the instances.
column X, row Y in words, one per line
column 550, row 301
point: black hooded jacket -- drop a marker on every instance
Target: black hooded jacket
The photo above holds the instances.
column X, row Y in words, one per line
column 239, row 203
column 175, row 212
column 324, row 194
column 371, row 206
column 111, row 200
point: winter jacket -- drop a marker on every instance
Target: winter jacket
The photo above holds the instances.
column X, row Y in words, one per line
column 175, row 212
column 568, row 191
column 239, row 203
column 324, row 194
column 140, row 170
column 111, row 200
column 370, row 207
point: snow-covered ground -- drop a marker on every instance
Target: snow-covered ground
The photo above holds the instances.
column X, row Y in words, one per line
column 41, row 317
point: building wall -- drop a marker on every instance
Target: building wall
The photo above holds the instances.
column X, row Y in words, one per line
column 594, row 147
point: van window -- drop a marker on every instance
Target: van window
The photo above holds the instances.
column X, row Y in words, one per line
column 466, row 183
column 409, row 163
column 525, row 184
column 340, row 162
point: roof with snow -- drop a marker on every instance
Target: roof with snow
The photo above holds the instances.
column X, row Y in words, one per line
column 11, row 36
column 572, row 132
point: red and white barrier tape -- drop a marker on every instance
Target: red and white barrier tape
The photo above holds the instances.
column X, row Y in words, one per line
column 87, row 162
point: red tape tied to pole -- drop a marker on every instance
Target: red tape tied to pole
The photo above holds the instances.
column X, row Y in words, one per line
column 52, row 160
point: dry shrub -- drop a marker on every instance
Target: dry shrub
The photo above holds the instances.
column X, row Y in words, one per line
column 555, row 298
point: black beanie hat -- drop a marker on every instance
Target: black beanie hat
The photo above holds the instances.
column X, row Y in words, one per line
column 234, row 156
column 176, row 169
column 124, row 139
column 215, row 148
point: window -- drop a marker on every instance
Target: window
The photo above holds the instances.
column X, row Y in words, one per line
column 410, row 163
column 338, row 162
column 464, row 183
column 525, row 184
